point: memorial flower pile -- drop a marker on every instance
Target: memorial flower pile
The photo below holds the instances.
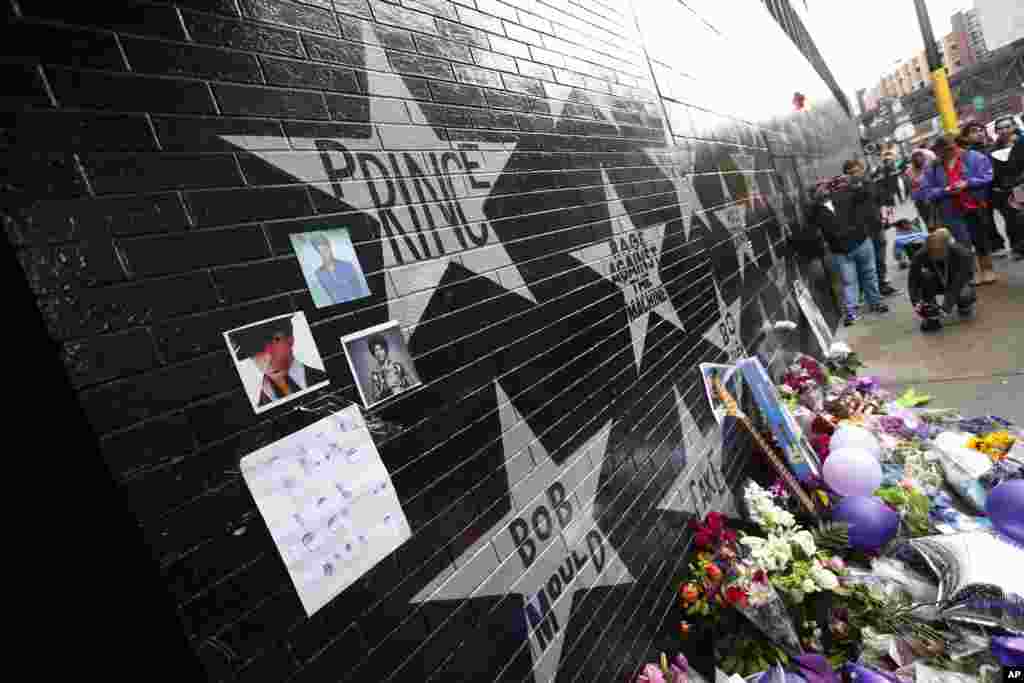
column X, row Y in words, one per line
column 848, row 590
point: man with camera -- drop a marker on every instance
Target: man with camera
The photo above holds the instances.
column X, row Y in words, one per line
column 945, row 268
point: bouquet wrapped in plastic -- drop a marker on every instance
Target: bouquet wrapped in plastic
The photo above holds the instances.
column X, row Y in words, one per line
column 766, row 610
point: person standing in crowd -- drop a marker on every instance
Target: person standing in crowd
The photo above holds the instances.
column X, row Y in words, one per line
column 944, row 268
column 959, row 185
column 868, row 212
column 975, row 138
column 920, row 159
column 808, row 242
column 834, row 212
column 1008, row 173
column 887, row 179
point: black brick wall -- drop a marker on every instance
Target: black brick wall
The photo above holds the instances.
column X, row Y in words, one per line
column 159, row 154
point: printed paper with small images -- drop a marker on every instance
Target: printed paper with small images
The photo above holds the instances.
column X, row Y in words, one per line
column 327, row 499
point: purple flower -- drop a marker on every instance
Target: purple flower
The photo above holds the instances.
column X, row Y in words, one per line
column 866, row 384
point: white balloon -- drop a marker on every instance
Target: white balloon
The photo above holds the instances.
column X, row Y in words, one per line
column 851, row 436
column 852, row 472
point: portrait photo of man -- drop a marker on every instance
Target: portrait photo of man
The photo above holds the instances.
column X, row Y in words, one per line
column 277, row 360
column 380, row 362
column 330, row 267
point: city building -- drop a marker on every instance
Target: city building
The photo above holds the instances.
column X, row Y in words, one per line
column 1002, row 21
column 968, row 24
column 953, row 46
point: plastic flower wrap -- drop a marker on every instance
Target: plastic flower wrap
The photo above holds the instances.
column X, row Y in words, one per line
column 983, row 425
column 948, row 519
column 769, row 614
column 963, row 467
column 1002, row 470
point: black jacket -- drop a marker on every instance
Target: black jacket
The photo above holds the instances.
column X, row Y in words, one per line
column 961, row 270
column 860, row 206
column 1007, row 174
column 841, row 235
column 887, row 179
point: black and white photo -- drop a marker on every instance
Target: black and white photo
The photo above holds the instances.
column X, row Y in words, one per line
column 380, row 362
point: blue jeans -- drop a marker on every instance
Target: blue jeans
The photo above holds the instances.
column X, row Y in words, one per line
column 859, row 270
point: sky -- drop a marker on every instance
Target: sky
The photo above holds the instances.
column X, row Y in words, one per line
column 861, row 41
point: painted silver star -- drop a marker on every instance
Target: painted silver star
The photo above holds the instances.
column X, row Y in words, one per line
column 566, row 557
column 365, row 176
column 630, row 260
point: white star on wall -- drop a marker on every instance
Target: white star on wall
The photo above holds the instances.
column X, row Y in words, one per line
column 734, row 217
column 563, row 556
column 366, row 171
column 679, row 170
column 724, row 333
column 697, row 444
column 630, row 260
column 780, row 275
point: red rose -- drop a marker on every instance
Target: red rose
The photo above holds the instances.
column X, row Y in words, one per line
column 729, row 536
column 760, row 576
column 823, row 426
column 713, row 572
column 703, row 539
column 715, row 521
column 736, row 596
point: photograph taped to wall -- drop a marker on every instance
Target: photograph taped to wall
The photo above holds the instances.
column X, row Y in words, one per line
column 819, row 326
column 277, row 360
column 328, row 502
column 729, row 378
column 330, row 266
column 381, row 363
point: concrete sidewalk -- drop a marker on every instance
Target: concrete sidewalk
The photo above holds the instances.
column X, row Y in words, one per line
column 976, row 366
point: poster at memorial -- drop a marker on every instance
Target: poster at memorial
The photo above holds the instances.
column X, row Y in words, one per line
column 277, row 360
column 328, row 502
column 330, row 266
column 800, row 455
column 819, row 326
column 381, row 363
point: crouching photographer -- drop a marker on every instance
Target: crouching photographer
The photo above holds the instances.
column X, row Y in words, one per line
column 944, row 268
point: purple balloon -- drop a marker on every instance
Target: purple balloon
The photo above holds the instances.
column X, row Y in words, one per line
column 865, row 674
column 1005, row 508
column 1009, row 650
column 872, row 522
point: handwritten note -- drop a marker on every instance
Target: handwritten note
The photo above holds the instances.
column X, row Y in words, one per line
column 328, row 501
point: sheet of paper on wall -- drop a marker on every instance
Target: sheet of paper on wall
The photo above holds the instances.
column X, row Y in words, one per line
column 327, row 499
